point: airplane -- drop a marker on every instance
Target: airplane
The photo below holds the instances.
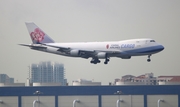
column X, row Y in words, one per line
column 96, row 50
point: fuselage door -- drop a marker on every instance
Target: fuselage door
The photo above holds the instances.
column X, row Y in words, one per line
column 138, row 44
column 147, row 41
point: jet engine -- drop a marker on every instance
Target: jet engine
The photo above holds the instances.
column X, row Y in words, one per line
column 101, row 55
column 74, row 52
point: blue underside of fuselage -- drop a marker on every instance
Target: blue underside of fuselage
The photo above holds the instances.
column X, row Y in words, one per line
column 146, row 50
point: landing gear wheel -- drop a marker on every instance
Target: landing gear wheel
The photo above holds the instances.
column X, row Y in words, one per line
column 105, row 62
column 149, row 60
column 98, row 61
column 95, row 61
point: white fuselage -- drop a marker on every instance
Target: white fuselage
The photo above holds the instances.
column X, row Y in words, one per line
column 123, row 49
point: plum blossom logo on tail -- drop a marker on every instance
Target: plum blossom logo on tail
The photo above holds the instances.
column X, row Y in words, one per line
column 37, row 35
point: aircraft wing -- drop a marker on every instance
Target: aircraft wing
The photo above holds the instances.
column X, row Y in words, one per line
column 67, row 50
column 61, row 49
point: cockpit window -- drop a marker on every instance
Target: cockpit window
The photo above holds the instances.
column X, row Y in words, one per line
column 152, row 40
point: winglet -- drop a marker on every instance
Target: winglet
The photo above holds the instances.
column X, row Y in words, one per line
column 37, row 35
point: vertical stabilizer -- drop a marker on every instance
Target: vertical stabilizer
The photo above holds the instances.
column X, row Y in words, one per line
column 37, row 35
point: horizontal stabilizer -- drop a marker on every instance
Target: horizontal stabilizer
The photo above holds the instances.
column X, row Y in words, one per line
column 34, row 46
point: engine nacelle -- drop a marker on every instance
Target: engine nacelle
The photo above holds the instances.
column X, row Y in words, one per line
column 101, row 55
column 74, row 52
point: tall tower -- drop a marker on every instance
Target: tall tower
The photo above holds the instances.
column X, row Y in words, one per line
column 47, row 72
column 59, row 73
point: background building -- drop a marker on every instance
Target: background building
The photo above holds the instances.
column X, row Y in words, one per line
column 168, row 80
column 47, row 72
column 84, row 82
column 5, row 80
column 145, row 79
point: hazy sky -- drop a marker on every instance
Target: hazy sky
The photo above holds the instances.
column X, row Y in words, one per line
column 90, row 20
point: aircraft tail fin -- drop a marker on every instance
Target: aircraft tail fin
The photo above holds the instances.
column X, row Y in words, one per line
column 37, row 35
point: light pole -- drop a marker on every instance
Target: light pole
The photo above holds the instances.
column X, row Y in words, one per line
column 75, row 101
column 160, row 100
column 36, row 101
column 119, row 100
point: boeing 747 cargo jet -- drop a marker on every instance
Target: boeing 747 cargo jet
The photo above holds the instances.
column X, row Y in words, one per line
column 96, row 50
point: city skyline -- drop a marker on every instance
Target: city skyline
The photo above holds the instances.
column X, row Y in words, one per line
column 140, row 79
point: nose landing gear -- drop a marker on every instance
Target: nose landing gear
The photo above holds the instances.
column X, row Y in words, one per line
column 149, row 58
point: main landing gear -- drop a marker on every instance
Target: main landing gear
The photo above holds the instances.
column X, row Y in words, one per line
column 95, row 61
column 106, row 61
column 149, row 58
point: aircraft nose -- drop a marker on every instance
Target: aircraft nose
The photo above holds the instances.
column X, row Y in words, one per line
column 161, row 47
